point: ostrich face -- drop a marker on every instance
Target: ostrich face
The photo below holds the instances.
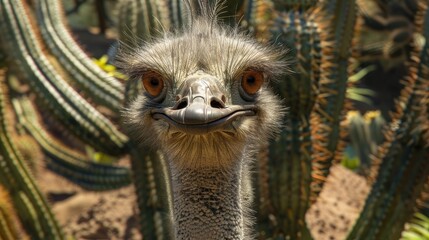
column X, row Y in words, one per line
column 206, row 97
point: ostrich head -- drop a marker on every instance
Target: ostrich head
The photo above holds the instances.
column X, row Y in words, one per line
column 207, row 105
column 206, row 94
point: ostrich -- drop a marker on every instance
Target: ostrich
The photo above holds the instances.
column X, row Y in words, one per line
column 207, row 106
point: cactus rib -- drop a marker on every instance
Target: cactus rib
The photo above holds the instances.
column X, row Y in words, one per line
column 153, row 193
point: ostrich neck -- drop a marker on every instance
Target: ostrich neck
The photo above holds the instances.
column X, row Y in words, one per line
column 207, row 204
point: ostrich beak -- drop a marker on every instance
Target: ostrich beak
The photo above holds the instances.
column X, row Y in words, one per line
column 200, row 107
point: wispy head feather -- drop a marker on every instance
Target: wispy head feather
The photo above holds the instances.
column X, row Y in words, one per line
column 204, row 9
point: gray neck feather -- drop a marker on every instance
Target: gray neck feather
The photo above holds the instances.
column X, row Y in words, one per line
column 207, row 204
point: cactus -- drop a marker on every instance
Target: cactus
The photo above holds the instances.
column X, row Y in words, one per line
column 257, row 16
column 316, row 97
column 365, row 133
column 402, row 158
column 140, row 20
column 66, row 162
column 325, row 117
column 153, row 193
column 289, row 168
column 30, row 204
column 53, row 91
column 294, row 4
column 331, row 104
column 95, row 83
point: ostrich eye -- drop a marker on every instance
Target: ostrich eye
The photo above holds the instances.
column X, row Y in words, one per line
column 252, row 81
column 153, row 82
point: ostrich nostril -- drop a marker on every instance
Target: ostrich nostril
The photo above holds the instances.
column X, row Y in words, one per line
column 217, row 103
column 182, row 104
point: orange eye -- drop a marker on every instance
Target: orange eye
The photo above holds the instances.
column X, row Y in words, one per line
column 153, row 82
column 252, row 81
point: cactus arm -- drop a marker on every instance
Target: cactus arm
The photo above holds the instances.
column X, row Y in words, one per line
column 177, row 13
column 63, row 102
column 151, row 180
column 140, row 20
column 290, row 154
column 388, row 205
column 14, row 175
column 403, row 156
column 331, row 106
column 257, row 18
column 96, row 84
column 66, row 162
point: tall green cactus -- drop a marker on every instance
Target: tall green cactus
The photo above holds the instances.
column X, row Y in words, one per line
column 30, row 204
column 300, row 158
column 289, row 164
column 337, row 19
column 153, row 193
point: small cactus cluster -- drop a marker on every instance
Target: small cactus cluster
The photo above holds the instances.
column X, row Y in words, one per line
column 365, row 134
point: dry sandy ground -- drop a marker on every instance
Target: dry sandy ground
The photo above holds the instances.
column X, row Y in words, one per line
column 338, row 205
column 113, row 214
